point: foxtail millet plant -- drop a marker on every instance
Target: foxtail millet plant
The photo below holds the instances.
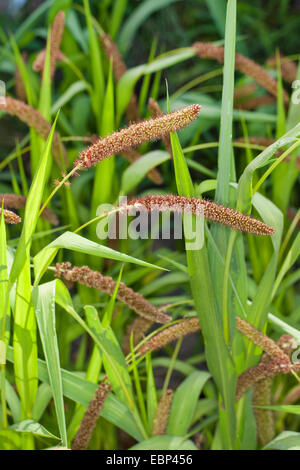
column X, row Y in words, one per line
column 262, row 394
column 132, row 155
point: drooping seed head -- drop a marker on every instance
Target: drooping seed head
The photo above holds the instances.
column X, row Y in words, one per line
column 33, row 118
column 168, row 335
column 209, row 209
column 17, row 201
column 242, row 63
column 134, row 300
column 10, row 217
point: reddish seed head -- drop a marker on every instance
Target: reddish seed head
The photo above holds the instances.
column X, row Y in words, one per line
column 10, row 217
column 138, row 133
column 209, row 209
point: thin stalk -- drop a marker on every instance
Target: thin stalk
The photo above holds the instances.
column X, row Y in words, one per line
column 61, row 183
column 170, row 369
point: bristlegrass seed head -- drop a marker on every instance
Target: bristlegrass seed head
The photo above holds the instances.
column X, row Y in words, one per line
column 137, row 134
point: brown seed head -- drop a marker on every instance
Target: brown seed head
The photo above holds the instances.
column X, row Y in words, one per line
column 242, row 63
column 134, row 300
column 119, row 67
column 57, row 31
column 33, row 118
column 174, row 332
column 209, row 209
column 88, row 424
column 16, row 201
column 10, row 217
column 162, row 413
column 137, row 134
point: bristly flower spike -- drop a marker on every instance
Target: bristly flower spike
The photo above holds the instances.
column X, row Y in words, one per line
column 57, row 31
column 242, row 63
column 162, row 413
column 88, row 424
column 33, row 118
column 137, row 134
column 134, row 300
column 17, row 201
column 10, row 217
column 209, row 209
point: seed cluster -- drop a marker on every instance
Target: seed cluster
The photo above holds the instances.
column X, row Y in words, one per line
column 10, row 217
column 242, row 63
column 209, row 209
column 88, row 424
column 184, row 328
column 137, row 134
column 112, row 52
column 288, row 68
column 16, row 201
column 262, row 395
column 162, row 413
column 264, row 342
column 257, row 373
column 33, row 118
column 271, row 364
column 134, row 300
column 137, row 329
column 57, row 31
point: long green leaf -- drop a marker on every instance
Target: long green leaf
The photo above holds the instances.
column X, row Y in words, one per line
column 184, row 403
column 74, row 242
column 44, row 301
